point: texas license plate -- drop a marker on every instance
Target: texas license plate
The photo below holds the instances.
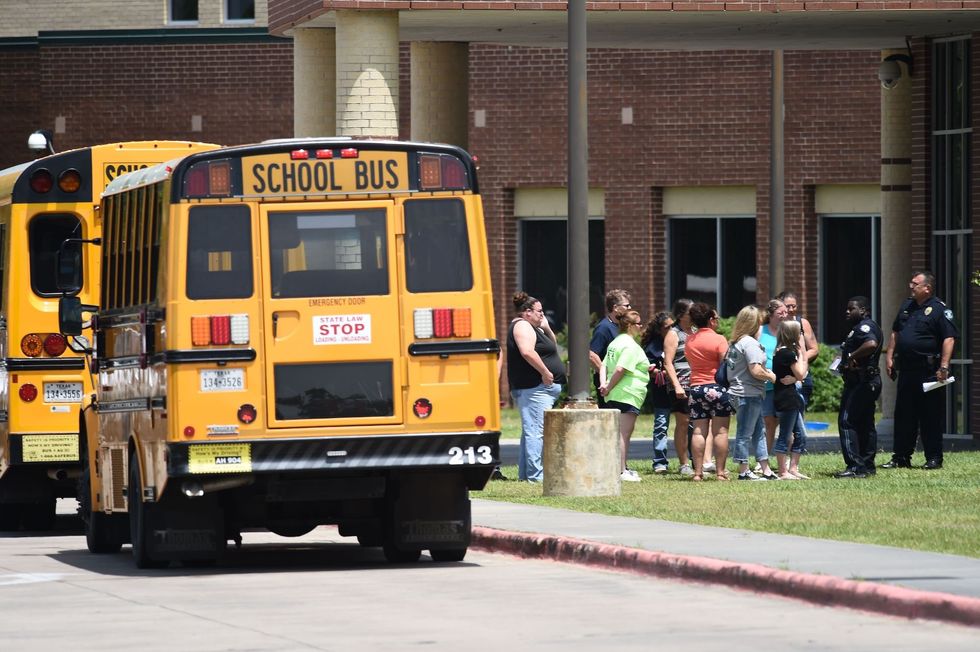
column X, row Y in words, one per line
column 222, row 380
column 62, row 392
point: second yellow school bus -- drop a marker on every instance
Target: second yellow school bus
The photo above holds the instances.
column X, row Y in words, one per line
column 43, row 379
column 291, row 334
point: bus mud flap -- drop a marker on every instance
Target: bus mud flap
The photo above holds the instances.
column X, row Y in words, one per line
column 430, row 511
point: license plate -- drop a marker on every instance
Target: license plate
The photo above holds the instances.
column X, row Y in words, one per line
column 62, row 392
column 222, row 380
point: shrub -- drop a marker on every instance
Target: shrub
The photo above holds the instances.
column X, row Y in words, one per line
column 827, row 385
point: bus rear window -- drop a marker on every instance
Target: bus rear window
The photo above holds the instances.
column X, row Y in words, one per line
column 46, row 233
column 219, row 252
column 328, row 253
column 437, row 248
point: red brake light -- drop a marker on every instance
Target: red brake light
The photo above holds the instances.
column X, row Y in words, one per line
column 41, row 180
column 324, row 153
column 247, row 413
column 196, row 181
column 189, row 431
column 480, row 421
column 453, row 173
column 27, row 392
column 55, row 344
column 348, row 152
column 299, row 155
column 443, row 322
column 221, row 330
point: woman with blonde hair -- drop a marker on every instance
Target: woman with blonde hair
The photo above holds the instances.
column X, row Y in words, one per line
column 747, row 376
column 791, row 367
column 623, row 377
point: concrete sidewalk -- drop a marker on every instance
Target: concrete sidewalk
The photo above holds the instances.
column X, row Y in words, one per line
column 876, row 578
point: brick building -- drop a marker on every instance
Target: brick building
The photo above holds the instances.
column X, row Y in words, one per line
column 679, row 143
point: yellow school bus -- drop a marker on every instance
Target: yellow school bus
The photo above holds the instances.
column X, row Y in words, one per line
column 43, row 203
column 290, row 334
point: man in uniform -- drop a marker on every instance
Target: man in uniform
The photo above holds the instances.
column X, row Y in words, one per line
column 919, row 349
column 617, row 303
column 862, row 386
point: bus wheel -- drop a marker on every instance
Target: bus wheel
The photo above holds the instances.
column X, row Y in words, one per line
column 139, row 519
column 101, row 530
column 396, row 555
column 451, row 554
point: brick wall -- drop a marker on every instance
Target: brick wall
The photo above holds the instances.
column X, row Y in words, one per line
column 699, row 118
column 242, row 91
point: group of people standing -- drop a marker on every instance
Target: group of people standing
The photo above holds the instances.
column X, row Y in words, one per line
column 673, row 362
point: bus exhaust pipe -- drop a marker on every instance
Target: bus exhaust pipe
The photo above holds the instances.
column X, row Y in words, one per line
column 197, row 488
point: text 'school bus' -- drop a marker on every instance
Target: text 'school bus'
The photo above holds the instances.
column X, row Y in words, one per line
column 42, row 379
column 290, row 334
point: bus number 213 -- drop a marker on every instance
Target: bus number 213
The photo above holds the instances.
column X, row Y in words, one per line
column 470, row 455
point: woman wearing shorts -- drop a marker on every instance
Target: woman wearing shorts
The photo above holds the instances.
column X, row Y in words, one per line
column 623, row 379
column 679, row 373
column 709, row 401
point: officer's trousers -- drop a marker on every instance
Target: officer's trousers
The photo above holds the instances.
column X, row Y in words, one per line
column 856, row 423
column 919, row 413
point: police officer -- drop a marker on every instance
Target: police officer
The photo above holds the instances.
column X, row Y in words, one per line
column 919, row 349
column 862, row 386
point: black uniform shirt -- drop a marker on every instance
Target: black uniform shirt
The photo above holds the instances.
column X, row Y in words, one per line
column 920, row 330
column 866, row 330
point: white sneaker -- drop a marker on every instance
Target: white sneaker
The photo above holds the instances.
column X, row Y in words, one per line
column 659, row 468
column 686, row 470
column 629, row 476
column 750, row 475
column 709, row 467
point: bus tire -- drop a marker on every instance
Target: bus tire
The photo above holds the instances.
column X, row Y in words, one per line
column 101, row 530
column 396, row 555
column 448, row 554
column 139, row 518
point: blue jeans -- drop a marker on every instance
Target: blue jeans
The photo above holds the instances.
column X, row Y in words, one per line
column 531, row 403
column 750, row 429
column 661, row 422
column 790, row 421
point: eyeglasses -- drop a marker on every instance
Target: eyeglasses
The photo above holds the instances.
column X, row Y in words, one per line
column 540, row 312
column 623, row 305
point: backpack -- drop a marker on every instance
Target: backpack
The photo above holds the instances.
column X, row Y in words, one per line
column 721, row 376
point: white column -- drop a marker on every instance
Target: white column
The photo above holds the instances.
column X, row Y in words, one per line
column 440, row 90
column 896, row 214
column 367, row 73
column 314, row 82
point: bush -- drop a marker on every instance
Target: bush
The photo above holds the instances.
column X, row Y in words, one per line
column 827, row 385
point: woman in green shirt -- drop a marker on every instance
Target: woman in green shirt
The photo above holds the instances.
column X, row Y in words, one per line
column 623, row 379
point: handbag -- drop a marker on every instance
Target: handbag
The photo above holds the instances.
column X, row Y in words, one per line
column 721, row 375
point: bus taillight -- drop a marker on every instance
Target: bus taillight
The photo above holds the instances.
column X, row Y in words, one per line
column 70, row 180
column 442, row 322
column 219, row 330
column 27, row 392
column 208, row 179
column 41, row 180
column 438, row 172
column 55, row 344
column 32, row 345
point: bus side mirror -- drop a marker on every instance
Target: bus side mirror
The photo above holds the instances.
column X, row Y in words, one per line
column 69, row 266
column 70, row 315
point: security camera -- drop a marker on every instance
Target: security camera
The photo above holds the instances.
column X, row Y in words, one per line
column 889, row 73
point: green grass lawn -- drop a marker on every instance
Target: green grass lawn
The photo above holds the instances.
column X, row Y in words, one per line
column 909, row 508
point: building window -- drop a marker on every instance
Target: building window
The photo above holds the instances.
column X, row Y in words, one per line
column 850, row 251
column 183, row 11
column 239, row 10
column 712, row 259
column 952, row 232
column 544, row 265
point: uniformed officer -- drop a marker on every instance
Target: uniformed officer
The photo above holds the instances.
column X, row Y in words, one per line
column 862, row 386
column 919, row 349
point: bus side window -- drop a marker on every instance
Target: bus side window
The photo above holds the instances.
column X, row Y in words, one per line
column 437, row 247
column 219, row 252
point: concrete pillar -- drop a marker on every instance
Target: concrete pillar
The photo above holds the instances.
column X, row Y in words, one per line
column 440, row 90
column 896, row 213
column 581, row 453
column 367, row 73
column 314, row 82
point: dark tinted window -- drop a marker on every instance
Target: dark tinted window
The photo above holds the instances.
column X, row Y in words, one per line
column 240, row 10
column 183, row 10
column 328, row 253
column 219, row 253
column 713, row 260
column 437, row 249
column 334, row 391
column 849, row 248
column 46, row 234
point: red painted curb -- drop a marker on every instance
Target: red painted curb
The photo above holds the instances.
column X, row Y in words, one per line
column 831, row 591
